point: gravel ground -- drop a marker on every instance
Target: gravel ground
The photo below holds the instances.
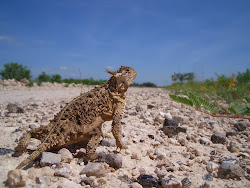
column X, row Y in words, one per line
column 208, row 152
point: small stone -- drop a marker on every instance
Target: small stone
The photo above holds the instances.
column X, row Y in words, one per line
column 211, row 166
column 231, row 133
column 150, row 106
column 230, row 169
column 205, row 141
column 87, row 180
column 134, row 156
column 159, row 119
column 147, row 180
column 182, row 141
column 18, row 178
column 148, row 120
column 241, row 126
column 170, row 182
column 208, row 177
column 151, row 136
column 108, row 142
column 233, row 147
column 114, row 161
column 160, row 172
column 34, row 126
column 43, row 180
column 218, row 138
column 63, row 182
column 66, row 155
column 136, row 185
column 14, row 108
column 63, row 172
column 49, row 158
column 95, row 169
column 181, row 118
column 170, row 122
column 186, row 183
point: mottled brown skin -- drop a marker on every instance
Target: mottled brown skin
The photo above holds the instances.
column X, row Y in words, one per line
column 82, row 118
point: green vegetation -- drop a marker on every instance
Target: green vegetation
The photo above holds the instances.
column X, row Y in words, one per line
column 146, row 84
column 233, row 91
column 198, row 103
column 227, row 89
column 15, row 71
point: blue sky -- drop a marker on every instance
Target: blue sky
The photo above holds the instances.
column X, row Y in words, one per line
column 156, row 37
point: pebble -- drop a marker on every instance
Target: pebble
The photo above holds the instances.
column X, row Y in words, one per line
column 181, row 118
column 136, row 185
column 205, row 141
column 231, row 133
column 95, row 169
column 170, row 182
column 241, row 126
column 49, row 158
column 113, row 160
column 147, row 180
column 208, row 177
column 18, row 178
column 66, row 155
column 186, row 183
column 63, row 172
column 160, row 172
column 218, row 138
column 63, row 182
column 211, row 166
column 234, row 147
column 108, row 142
column 229, row 169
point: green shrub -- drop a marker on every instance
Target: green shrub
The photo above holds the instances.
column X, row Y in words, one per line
column 15, row 71
column 56, row 78
column 43, row 77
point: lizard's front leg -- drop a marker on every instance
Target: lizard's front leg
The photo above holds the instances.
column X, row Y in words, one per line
column 116, row 124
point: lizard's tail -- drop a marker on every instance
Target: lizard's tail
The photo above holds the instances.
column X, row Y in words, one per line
column 32, row 157
column 24, row 141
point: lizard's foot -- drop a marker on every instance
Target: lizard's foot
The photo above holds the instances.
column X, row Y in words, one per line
column 121, row 145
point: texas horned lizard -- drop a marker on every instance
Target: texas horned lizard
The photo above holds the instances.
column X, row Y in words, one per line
column 82, row 118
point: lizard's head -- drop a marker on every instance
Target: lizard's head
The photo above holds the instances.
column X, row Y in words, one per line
column 124, row 76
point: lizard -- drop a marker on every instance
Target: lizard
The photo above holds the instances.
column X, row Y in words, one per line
column 82, row 118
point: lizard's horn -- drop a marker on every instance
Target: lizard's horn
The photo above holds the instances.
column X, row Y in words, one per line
column 110, row 72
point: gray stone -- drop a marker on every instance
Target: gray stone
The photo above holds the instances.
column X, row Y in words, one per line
column 230, row 169
column 147, row 180
column 241, row 126
column 231, row 133
column 114, row 161
column 95, row 169
column 218, row 138
column 63, row 172
column 49, row 158
column 13, row 108
column 18, row 178
column 208, row 177
column 108, row 142
column 181, row 118
column 171, row 128
column 170, row 182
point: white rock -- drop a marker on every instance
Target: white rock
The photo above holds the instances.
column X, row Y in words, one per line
column 211, row 166
column 66, row 155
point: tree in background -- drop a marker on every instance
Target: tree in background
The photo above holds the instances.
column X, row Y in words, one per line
column 182, row 77
column 56, row 78
column 15, row 71
column 43, row 77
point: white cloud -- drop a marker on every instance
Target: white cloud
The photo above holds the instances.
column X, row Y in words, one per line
column 44, row 42
column 63, row 68
column 7, row 38
column 109, row 67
